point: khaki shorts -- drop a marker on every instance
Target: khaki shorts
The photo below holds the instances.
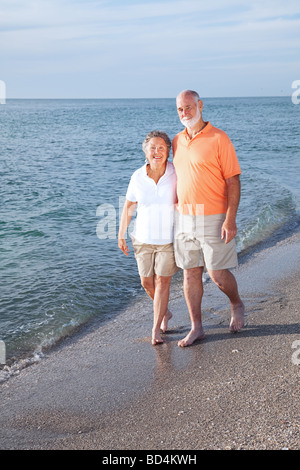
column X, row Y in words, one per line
column 198, row 243
column 154, row 259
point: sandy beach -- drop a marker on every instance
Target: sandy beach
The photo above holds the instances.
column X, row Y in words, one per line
column 107, row 388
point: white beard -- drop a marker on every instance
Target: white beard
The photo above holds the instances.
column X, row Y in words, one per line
column 190, row 123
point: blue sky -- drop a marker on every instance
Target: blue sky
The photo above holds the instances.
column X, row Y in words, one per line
column 148, row 49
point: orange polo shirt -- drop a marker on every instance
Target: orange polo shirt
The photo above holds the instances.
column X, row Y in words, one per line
column 202, row 165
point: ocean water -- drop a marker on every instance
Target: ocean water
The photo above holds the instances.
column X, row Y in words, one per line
column 65, row 166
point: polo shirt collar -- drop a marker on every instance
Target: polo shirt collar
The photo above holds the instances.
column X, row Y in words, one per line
column 203, row 131
column 169, row 169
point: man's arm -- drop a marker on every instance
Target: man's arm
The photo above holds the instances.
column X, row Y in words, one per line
column 229, row 228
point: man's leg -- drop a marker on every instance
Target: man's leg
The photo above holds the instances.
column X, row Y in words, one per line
column 193, row 291
column 226, row 281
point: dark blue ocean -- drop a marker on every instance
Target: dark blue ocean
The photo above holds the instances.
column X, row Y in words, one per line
column 65, row 166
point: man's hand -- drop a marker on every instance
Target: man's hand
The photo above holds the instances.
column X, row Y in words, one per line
column 229, row 228
column 229, row 231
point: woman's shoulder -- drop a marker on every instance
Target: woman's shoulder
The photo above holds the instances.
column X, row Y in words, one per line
column 139, row 172
column 170, row 168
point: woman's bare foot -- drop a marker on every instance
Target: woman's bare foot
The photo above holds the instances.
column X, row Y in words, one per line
column 191, row 337
column 164, row 323
column 237, row 318
column 156, row 338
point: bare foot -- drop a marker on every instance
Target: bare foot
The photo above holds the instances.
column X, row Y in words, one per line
column 156, row 338
column 237, row 318
column 191, row 337
column 164, row 323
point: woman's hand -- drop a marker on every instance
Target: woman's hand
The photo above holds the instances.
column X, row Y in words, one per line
column 128, row 210
column 123, row 246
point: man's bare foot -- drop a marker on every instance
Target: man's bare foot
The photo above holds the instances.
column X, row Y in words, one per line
column 237, row 318
column 191, row 337
column 156, row 338
column 164, row 323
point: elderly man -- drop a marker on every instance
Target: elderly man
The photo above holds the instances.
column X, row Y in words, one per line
column 208, row 189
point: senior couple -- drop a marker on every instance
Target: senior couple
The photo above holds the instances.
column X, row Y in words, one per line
column 186, row 217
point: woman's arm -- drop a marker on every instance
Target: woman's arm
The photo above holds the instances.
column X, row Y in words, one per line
column 128, row 210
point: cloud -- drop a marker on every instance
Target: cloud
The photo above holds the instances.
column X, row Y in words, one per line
column 138, row 38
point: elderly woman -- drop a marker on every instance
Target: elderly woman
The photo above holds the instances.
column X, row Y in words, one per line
column 152, row 189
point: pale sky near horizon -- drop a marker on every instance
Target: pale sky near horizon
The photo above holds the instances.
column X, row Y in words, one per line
column 148, row 49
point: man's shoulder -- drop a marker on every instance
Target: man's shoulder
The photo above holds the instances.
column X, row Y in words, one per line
column 219, row 132
column 178, row 135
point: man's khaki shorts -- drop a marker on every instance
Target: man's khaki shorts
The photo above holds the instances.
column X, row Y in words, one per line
column 198, row 243
column 154, row 259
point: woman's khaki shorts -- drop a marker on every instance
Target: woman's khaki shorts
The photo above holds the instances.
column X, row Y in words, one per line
column 154, row 259
column 198, row 243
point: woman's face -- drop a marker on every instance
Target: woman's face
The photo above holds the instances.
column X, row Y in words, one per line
column 157, row 152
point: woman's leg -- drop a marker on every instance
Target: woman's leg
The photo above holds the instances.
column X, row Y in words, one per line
column 158, row 288
column 148, row 284
column 160, row 305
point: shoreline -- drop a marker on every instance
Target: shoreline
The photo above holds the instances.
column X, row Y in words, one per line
column 109, row 388
column 15, row 364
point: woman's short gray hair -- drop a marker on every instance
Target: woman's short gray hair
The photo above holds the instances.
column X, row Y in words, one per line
column 160, row 134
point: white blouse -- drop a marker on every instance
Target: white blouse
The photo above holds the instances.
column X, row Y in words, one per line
column 156, row 203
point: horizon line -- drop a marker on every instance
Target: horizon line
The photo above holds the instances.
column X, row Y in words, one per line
column 147, row 98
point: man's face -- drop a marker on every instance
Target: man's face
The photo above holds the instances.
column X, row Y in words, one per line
column 189, row 110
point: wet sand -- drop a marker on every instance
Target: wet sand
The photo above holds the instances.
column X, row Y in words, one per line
column 110, row 389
